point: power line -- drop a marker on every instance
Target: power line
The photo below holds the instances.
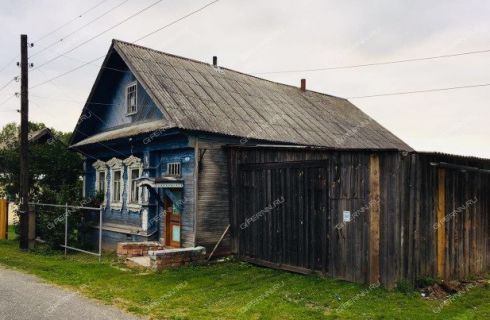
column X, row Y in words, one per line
column 354, row 66
column 7, row 100
column 8, row 83
column 70, row 21
column 55, row 30
column 75, row 101
column 78, row 29
column 78, row 130
column 67, row 72
column 176, row 21
column 101, row 57
column 8, row 63
column 421, row 91
column 100, row 33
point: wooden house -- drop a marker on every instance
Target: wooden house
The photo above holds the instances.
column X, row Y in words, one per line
column 181, row 149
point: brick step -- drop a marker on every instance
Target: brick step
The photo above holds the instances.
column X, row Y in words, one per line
column 137, row 249
column 171, row 258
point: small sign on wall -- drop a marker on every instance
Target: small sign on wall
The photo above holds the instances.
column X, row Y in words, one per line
column 347, row 217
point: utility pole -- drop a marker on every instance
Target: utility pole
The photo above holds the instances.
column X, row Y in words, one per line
column 24, row 131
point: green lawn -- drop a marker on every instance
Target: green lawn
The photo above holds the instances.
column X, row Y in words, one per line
column 234, row 290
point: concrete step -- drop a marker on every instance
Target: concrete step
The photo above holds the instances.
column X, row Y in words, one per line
column 139, row 262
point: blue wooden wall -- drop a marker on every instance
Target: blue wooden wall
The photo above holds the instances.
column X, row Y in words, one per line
column 106, row 108
column 169, row 147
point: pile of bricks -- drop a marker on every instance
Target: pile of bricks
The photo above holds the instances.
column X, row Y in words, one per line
column 137, row 249
column 171, row 258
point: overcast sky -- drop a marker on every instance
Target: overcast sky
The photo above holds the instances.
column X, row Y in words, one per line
column 255, row 36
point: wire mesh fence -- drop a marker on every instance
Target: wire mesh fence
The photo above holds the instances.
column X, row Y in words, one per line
column 76, row 228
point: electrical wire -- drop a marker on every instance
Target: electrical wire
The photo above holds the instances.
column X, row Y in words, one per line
column 7, row 84
column 55, row 30
column 78, row 29
column 74, row 101
column 101, row 57
column 67, row 72
column 421, row 91
column 100, row 33
column 176, row 21
column 7, row 100
column 8, row 63
column 354, row 66
column 70, row 21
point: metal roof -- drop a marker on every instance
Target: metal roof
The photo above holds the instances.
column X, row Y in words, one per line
column 127, row 131
column 453, row 156
column 198, row 96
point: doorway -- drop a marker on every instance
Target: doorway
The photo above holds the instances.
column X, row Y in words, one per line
column 172, row 222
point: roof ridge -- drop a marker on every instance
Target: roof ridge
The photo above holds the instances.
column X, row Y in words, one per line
column 224, row 68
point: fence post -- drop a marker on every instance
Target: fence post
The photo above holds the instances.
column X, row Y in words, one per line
column 3, row 219
column 100, row 232
column 66, row 228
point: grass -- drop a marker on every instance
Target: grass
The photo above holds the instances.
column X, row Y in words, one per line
column 234, row 290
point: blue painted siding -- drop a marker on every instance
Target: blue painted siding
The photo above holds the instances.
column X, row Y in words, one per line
column 170, row 147
column 187, row 160
column 115, row 115
column 107, row 107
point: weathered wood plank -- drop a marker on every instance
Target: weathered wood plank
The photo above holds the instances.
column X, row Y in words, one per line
column 374, row 216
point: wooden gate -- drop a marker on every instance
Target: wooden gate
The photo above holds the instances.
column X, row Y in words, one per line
column 283, row 215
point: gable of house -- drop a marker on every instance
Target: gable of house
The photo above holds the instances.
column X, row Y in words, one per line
column 106, row 108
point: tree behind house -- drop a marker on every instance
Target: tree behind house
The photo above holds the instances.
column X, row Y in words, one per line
column 54, row 173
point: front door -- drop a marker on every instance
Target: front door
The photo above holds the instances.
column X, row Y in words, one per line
column 172, row 223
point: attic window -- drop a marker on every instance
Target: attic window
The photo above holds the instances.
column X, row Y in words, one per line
column 174, row 169
column 131, row 98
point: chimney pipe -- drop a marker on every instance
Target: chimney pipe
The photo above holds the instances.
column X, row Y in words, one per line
column 215, row 61
column 303, row 85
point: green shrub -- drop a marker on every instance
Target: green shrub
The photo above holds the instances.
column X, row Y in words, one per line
column 427, row 281
column 405, row 286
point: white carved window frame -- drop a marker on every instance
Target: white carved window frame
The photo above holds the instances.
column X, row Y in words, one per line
column 100, row 166
column 116, row 165
column 133, row 163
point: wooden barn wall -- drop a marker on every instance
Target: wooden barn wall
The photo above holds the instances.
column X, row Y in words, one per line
column 213, row 196
column 348, row 190
column 453, row 245
column 407, row 245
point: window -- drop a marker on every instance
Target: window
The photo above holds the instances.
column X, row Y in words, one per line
column 116, row 182
column 134, row 197
column 101, row 181
column 134, row 167
column 116, row 187
column 174, row 169
column 131, row 98
column 100, row 177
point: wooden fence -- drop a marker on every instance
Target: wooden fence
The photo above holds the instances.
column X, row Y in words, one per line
column 382, row 216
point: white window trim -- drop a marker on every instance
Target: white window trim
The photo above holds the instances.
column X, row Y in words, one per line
column 100, row 166
column 144, row 220
column 134, row 83
column 116, row 165
column 133, row 163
